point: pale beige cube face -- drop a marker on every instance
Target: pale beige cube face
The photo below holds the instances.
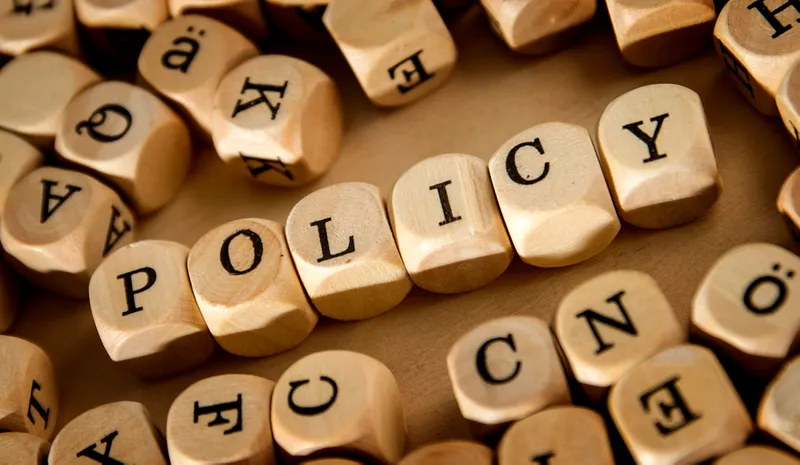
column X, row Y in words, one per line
column 33, row 24
column 758, row 43
column 145, row 312
column 223, row 419
column 657, row 156
column 247, row 289
column 572, row 435
column 244, row 16
column 338, row 401
column 610, row 324
column 121, row 14
column 505, row 370
column 779, row 410
column 535, row 26
column 17, row 158
column 747, row 303
column 789, row 202
column 59, row 225
column 22, row 449
column 342, row 244
column 655, row 33
column 679, row 407
column 29, row 401
column 447, row 224
column 788, row 101
column 121, row 431
column 399, row 51
column 185, row 59
column 129, row 137
column 450, row 453
column 32, row 100
column 277, row 120
column 553, row 196
column 751, row 455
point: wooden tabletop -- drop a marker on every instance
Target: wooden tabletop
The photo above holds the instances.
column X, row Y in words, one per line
column 492, row 95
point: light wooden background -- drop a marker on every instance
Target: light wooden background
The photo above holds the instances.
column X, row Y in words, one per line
column 492, row 95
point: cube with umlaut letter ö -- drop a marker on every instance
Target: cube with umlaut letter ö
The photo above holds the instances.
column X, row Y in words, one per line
column 145, row 312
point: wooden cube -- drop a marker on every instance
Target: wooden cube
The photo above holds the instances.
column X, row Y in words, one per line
column 29, row 25
column 399, row 51
column 747, row 308
column 662, row 32
column 130, row 138
column 788, row 102
column 33, row 100
column 757, row 455
column 247, row 289
column 535, row 26
column 145, row 312
column 126, row 15
column 789, row 203
column 447, row 224
column 28, row 393
column 185, row 59
column 779, row 410
column 611, row 323
column 758, row 45
column 9, row 296
column 245, row 16
column 222, row 420
column 569, row 435
column 278, row 120
column 679, row 407
column 17, row 158
column 503, row 371
column 547, row 181
column 450, row 453
column 345, row 252
column 22, row 449
column 59, row 225
column 335, row 401
column 121, row 432
column 657, row 156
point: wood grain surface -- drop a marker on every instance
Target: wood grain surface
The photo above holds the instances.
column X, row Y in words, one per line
column 492, row 95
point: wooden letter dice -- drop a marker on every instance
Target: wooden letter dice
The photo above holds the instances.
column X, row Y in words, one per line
column 338, row 401
column 244, row 16
column 535, row 26
column 28, row 393
column 661, row 32
column 399, row 51
column 278, row 119
column 505, row 370
column 758, row 42
column 145, row 312
column 779, row 411
column 345, row 252
column 29, row 25
column 789, row 202
column 568, row 435
column 130, row 16
column 22, row 449
column 131, row 138
column 757, row 455
column 116, row 433
column 222, row 420
column 33, row 99
column 679, row 407
column 59, row 225
column 788, row 101
column 186, row 58
column 450, row 453
column 17, row 158
column 447, row 224
column 610, row 324
column 548, row 181
column 749, row 308
column 657, row 156
column 247, row 289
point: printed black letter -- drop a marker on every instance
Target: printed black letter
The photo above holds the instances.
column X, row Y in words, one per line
column 543, row 459
column 678, row 403
column 34, row 403
column 262, row 90
column 98, row 118
column 130, row 292
column 417, row 68
column 105, row 459
column 649, row 140
column 218, row 409
column 114, row 233
column 626, row 325
column 262, row 165
column 444, row 199
column 769, row 15
column 480, row 360
column 184, row 57
column 738, row 70
column 225, row 253
column 316, row 409
column 60, row 199
column 511, row 164
column 322, row 229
